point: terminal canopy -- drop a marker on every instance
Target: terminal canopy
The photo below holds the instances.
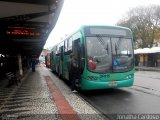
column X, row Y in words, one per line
column 147, row 50
column 26, row 24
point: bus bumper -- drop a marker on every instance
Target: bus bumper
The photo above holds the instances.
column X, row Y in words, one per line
column 91, row 85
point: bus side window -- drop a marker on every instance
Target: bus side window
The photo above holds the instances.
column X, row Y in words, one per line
column 69, row 44
column 57, row 50
column 65, row 45
column 61, row 52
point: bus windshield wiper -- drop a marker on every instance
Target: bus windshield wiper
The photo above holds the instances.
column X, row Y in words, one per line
column 116, row 48
column 116, row 45
column 100, row 39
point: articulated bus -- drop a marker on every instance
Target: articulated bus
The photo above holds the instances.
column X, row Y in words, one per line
column 104, row 55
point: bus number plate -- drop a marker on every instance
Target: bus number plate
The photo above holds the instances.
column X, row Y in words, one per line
column 112, row 84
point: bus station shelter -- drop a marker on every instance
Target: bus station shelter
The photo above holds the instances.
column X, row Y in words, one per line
column 149, row 57
column 25, row 26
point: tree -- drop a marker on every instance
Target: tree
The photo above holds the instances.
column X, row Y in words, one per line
column 144, row 23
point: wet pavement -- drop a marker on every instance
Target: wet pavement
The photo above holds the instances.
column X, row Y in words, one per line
column 33, row 100
column 141, row 99
column 31, row 97
column 42, row 95
column 147, row 81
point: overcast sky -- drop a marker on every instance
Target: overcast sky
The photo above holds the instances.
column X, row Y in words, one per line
column 82, row 12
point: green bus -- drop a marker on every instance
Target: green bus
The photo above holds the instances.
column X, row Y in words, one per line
column 104, row 54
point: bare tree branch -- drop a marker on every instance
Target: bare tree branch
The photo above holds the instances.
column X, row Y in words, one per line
column 144, row 23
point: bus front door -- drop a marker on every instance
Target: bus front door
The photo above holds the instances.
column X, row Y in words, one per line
column 77, row 54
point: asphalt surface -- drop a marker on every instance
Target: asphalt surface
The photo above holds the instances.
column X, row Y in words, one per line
column 142, row 98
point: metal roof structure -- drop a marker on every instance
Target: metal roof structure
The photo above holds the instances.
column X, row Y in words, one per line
column 26, row 24
column 147, row 50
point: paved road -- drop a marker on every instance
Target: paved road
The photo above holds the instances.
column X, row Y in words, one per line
column 148, row 80
column 142, row 98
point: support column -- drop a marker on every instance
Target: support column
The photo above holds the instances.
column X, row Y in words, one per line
column 20, row 65
column 141, row 60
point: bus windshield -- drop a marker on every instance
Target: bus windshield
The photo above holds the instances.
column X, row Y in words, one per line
column 122, row 54
column 99, row 54
column 109, row 54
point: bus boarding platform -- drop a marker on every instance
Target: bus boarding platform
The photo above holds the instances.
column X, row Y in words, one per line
column 41, row 95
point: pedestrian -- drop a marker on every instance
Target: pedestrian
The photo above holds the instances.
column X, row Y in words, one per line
column 33, row 64
column 73, row 72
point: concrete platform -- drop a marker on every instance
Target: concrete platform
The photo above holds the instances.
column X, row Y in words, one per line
column 143, row 68
column 43, row 96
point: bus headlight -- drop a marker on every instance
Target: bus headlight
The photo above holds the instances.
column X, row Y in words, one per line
column 129, row 76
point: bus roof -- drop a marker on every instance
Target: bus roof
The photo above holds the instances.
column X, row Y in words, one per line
column 108, row 26
column 84, row 28
column 106, row 30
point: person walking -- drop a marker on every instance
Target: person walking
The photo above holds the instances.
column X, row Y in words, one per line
column 33, row 64
column 73, row 72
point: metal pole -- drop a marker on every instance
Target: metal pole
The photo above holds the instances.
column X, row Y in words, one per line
column 20, row 65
